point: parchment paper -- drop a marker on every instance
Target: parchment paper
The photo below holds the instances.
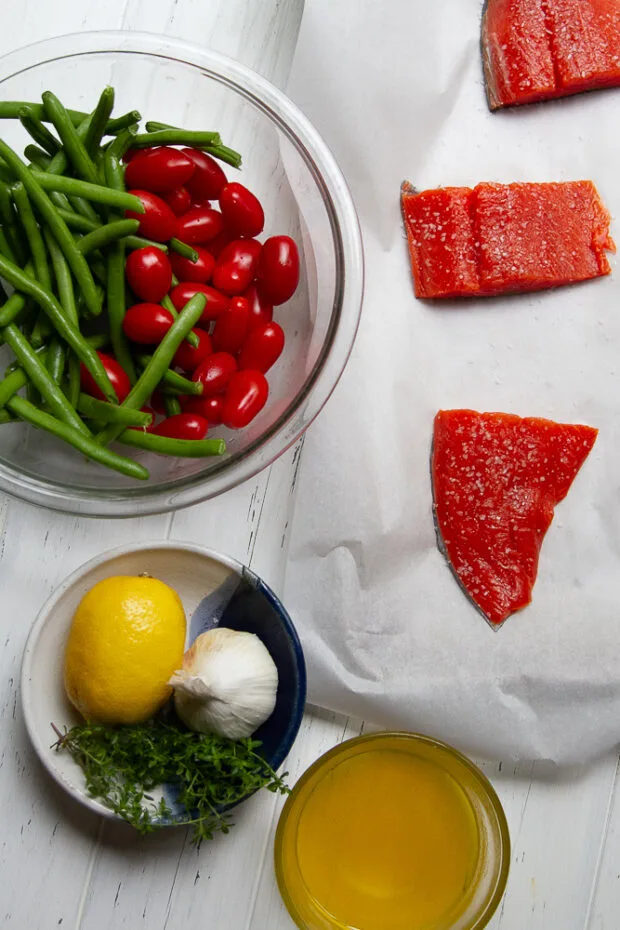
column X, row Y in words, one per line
column 396, row 90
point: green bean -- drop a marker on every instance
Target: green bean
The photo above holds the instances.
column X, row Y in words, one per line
column 12, row 232
column 14, row 366
column 41, row 330
column 12, row 309
column 38, row 157
column 40, row 133
column 172, row 379
column 73, row 386
column 115, row 283
column 48, row 303
column 83, row 207
column 11, row 384
column 9, row 109
column 111, row 413
column 99, row 120
column 180, row 448
column 48, row 212
column 60, row 161
column 123, row 142
column 96, row 192
column 113, row 168
column 77, row 221
column 74, row 146
column 33, row 235
column 64, row 281
column 172, row 405
column 56, row 358
column 6, row 175
column 181, row 248
column 160, row 360
column 116, row 309
column 123, row 122
column 223, row 153
column 106, row 235
column 230, row 156
column 5, row 417
column 16, row 302
column 98, row 159
column 26, row 411
column 6, row 248
column 99, row 340
column 167, row 304
column 41, row 378
column 82, row 224
column 175, row 137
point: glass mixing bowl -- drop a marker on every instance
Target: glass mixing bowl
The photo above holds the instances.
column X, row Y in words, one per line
column 290, row 169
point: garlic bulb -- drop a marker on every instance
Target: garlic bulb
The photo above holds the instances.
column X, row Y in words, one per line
column 227, row 684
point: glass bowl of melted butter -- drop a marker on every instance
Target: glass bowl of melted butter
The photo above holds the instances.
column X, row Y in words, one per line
column 392, row 831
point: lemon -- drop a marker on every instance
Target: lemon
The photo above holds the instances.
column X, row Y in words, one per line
column 126, row 639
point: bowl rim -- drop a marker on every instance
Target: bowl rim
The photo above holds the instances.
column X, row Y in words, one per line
column 489, row 906
column 347, row 303
column 42, row 749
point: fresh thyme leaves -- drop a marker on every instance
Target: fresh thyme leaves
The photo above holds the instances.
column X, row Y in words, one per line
column 122, row 764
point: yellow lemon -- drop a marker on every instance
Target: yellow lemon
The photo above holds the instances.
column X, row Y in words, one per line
column 126, row 639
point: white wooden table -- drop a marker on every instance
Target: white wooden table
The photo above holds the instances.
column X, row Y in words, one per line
column 60, row 866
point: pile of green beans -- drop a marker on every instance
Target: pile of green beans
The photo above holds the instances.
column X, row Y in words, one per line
column 63, row 243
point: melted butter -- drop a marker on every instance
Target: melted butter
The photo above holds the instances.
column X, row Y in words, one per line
column 387, row 841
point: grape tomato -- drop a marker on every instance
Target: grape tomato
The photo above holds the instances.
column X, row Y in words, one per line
column 189, row 358
column 119, row 379
column 217, row 245
column 187, row 270
column 147, row 323
column 208, row 178
column 216, row 301
column 182, row 426
column 214, row 373
column 159, row 169
column 158, row 222
column 236, row 266
column 149, row 273
column 261, row 310
column 231, row 326
column 262, row 347
column 242, row 211
column 246, row 395
column 278, row 269
column 179, row 200
column 208, row 407
column 198, row 225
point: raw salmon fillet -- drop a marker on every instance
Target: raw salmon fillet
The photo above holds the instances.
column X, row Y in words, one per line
column 504, row 238
column 541, row 49
column 496, row 481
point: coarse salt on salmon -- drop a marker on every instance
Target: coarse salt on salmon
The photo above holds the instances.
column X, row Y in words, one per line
column 504, row 238
column 542, row 49
column 496, row 480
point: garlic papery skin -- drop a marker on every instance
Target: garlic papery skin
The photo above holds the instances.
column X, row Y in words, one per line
column 227, row 685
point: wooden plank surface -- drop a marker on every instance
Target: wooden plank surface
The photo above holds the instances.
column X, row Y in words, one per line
column 60, row 866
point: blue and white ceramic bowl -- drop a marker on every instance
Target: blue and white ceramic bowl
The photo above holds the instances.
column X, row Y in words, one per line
column 215, row 590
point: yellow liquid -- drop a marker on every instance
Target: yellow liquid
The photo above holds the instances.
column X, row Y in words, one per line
column 387, row 840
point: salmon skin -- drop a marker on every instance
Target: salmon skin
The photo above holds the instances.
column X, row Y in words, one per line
column 496, row 480
column 543, row 49
column 504, row 238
